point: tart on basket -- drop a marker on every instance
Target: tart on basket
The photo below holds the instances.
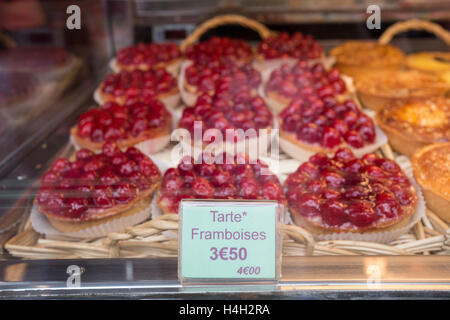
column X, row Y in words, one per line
column 411, row 124
column 303, row 81
column 225, row 177
column 379, row 88
column 97, row 190
column 355, row 58
column 143, row 56
column 220, row 49
column 141, row 124
column 434, row 62
column 118, row 87
column 283, row 45
column 345, row 194
column 431, row 165
column 227, row 113
column 324, row 124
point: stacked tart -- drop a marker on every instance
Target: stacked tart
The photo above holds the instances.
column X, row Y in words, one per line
column 146, row 125
column 154, row 83
column 98, row 190
column 303, row 81
column 431, row 166
column 379, row 88
column 297, row 46
column 223, row 177
column 148, row 56
column 227, row 113
column 344, row 194
column 411, row 124
column 355, row 58
column 434, row 62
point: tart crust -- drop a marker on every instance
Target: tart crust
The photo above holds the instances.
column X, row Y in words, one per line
column 123, row 144
column 99, row 217
column 145, row 66
column 108, row 97
column 379, row 88
column 412, row 124
column 431, row 165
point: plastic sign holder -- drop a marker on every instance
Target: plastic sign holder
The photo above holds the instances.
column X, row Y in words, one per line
column 223, row 241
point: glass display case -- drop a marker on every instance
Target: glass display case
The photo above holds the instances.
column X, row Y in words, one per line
column 351, row 99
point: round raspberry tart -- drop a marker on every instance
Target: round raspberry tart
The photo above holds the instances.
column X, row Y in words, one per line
column 228, row 112
column 145, row 125
column 145, row 56
column 431, row 165
column 196, row 79
column 323, row 125
column 225, row 177
column 302, row 80
column 154, row 83
column 220, row 49
column 355, row 58
column 275, row 48
column 98, row 190
column 347, row 195
column 380, row 88
column 412, row 124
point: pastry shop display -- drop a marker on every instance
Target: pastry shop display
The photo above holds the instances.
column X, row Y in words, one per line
column 154, row 83
column 411, row 124
column 431, row 165
column 379, row 88
column 225, row 177
column 145, row 125
column 98, row 192
column 302, row 80
column 354, row 58
column 344, row 195
column 433, row 62
column 146, row 56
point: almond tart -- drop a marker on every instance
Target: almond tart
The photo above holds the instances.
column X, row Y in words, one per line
column 225, row 177
column 347, row 195
column 412, row 124
column 146, row 56
column 379, row 88
column 431, row 165
column 434, row 62
column 97, row 189
column 146, row 125
column 355, row 58
column 302, row 81
column 151, row 84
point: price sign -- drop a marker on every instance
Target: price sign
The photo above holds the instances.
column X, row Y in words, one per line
column 229, row 240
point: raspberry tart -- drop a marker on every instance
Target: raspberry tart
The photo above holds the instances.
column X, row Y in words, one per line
column 431, row 169
column 412, row 124
column 98, row 193
column 145, row 125
column 228, row 112
column 380, row 88
column 220, row 49
column 145, row 56
column 154, row 83
column 323, row 125
column 196, row 79
column 302, row 80
column 355, row 58
column 225, row 177
column 345, row 196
